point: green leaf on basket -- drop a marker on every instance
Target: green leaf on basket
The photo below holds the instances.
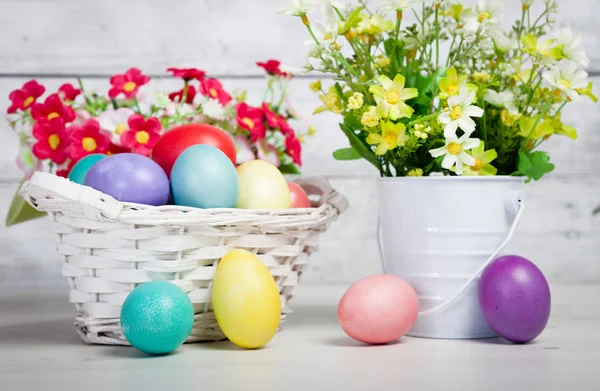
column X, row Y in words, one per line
column 20, row 211
column 290, row 168
column 346, row 154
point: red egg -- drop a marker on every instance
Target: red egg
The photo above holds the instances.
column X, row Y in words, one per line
column 168, row 148
column 299, row 198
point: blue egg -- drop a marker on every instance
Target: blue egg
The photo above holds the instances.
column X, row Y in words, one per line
column 204, row 177
column 81, row 168
column 157, row 317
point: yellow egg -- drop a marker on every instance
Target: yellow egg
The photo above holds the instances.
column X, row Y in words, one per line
column 262, row 186
column 246, row 300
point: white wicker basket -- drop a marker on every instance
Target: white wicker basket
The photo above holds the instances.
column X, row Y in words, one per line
column 109, row 248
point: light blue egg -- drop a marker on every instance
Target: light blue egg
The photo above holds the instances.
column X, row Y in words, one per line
column 81, row 168
column 204, row 177
column 157, row 317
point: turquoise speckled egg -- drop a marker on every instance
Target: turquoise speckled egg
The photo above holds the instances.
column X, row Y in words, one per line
column 157, row 317
column 81, row 168
column 204, row 177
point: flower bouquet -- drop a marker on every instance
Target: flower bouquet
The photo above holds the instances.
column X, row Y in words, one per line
column 452, row 93
column 56, row 132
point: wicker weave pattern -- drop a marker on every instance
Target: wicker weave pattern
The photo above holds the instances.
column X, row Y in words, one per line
column 108, row 248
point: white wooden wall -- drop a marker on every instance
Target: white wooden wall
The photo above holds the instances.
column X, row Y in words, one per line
column 56, row 40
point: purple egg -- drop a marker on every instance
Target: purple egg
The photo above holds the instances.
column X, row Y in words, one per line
column 514, row 297
column 129, row 177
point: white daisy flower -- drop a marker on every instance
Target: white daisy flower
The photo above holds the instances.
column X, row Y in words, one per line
column 505, row 99
column 569, row 43
column 455, row 154
column 459, row 113
column 326, row 34
column 567, row 79
column 114, row 122
column 267, row 152
column 398, row 5
column 484, row 14
column 528, row 3
column 298, row 8
column 213, row 109
column 502, row 42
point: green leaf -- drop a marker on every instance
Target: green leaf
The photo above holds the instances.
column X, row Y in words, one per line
column 360, row 146
column 352, row 121
column 20, row 211
column 346, row 154
column 290, row 168
column 534, row 165
column 339, row 91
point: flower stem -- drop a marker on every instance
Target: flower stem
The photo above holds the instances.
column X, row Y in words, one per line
column 450, row 51
column 183, row 95
column 539, row 118
column 312, row 34
column 560, row 109
column 137, row 105
column 521, row 28
column 437, row 39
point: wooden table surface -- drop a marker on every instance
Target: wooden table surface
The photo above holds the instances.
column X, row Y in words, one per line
column 39, row 349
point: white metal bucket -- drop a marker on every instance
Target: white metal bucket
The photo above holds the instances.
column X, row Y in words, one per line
column 439, row 233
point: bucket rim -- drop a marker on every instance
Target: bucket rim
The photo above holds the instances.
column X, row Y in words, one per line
column 498, row 178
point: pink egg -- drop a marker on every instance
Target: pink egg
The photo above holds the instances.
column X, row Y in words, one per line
column 378, row 309
column 299, row 198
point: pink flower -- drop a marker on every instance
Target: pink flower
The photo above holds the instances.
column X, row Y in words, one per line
column 251, row 119
column 142, row 134
column 114, row 123
column 128, row 83
column 177, row 96
column 244, row 149
column 52, row 108
column 87, row 139
column 294, row 149
column 273, row 67
column 53, row 140
column 268, row 152
column 271, row 117
column 187, row 74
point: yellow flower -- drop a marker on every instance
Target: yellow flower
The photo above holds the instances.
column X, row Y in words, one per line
column 588, row 92
column 451, row 83
column 455, row 11
column 373, row 25
column 331, row 102
column 391, row 136
column 482, row 164
column 356, row 101
column 415, row 172
column 543, row 129
column 481, row 77
column 562, row 129
column 382, row 62
column 370, row 118
column 509, row 119
column 390, row 97
column 312, row 130
column 540, row 49
column 315, row 85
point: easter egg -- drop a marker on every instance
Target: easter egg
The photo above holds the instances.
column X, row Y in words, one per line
column 204, row 177
column 246, row 300
column 378, row 309
column 514, row 297
column 157, row 317
column 298, row 197
column 129, row 177
column 171, row 144
column 262, row 186
column 81, row 168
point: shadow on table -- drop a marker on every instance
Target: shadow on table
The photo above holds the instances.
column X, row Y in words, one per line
column 44, row 332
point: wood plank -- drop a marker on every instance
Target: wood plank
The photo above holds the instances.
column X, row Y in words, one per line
column 224, row 37
column 559, row 231
column 578, row 157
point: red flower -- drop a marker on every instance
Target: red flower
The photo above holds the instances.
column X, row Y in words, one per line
column 187, row 74
column 64, row 172
column 214, row 89
column 251, row 119
column 142, row 134
column 273, row 67
column 26, row 96
column 285, row 127
column 68, row 92
column 52, row 108
column 114, row 149
column 294, row 149
column 128, row 83
column 53, row 140
column 271, row 117
column 87, row 139
column 178, row 95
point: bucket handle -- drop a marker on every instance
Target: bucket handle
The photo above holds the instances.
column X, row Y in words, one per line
column 512, row 204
